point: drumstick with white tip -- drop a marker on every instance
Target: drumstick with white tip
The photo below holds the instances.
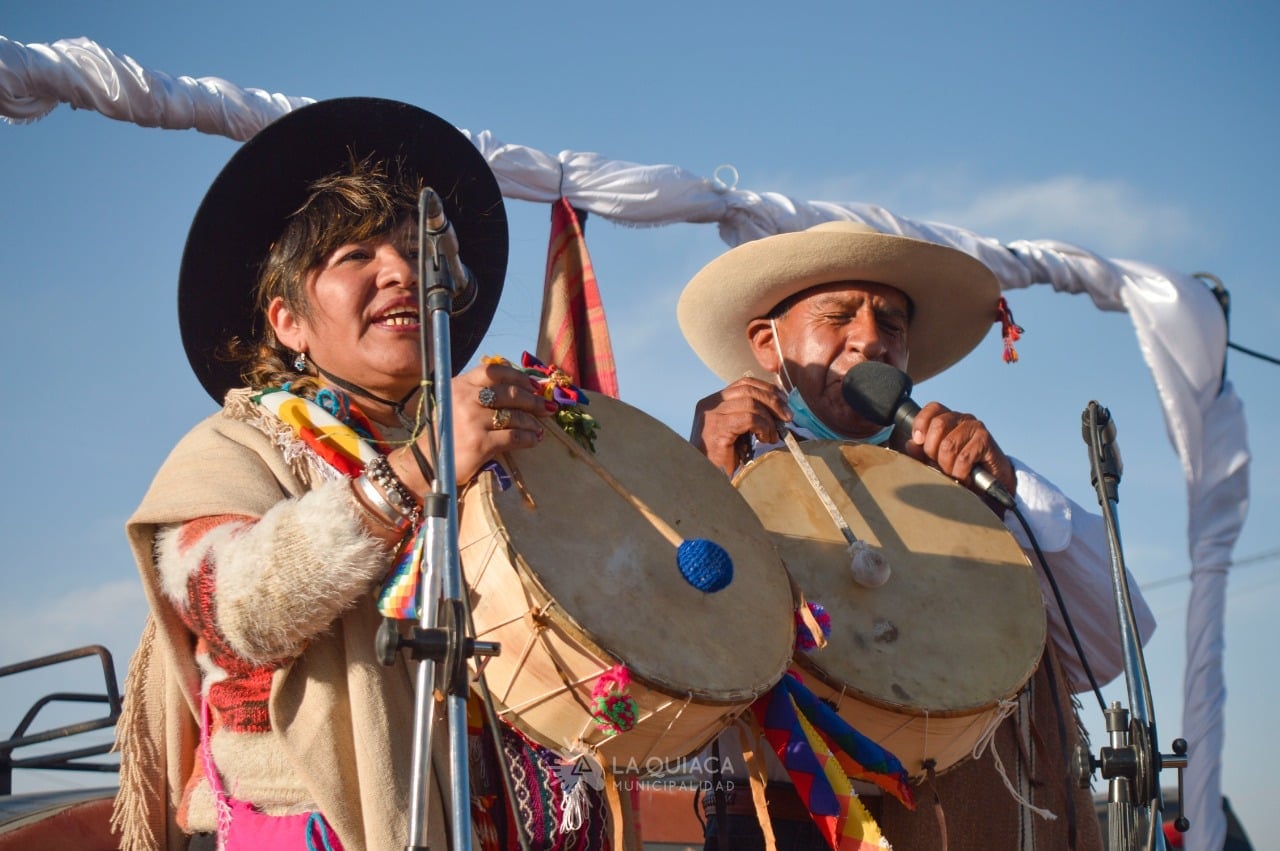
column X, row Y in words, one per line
column 704, row 564
column 868, row 565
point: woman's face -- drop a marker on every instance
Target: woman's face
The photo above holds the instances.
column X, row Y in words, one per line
column 363, row 322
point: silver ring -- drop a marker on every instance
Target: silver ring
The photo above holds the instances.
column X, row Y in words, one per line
column 487, row 397
column 501, row 418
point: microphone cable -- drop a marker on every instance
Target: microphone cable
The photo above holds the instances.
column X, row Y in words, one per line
column 1062, row 606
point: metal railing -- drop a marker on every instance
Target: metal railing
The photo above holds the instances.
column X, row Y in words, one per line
column 68, row 760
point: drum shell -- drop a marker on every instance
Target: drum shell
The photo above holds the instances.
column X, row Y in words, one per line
column 923, row 663
column 582, row 582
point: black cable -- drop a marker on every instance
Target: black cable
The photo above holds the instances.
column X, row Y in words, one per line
column 1062, row 607
column 1258, row 355
column 1223, row 295
column 356, row 390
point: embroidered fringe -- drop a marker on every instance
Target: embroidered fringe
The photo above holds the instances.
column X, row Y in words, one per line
column 1082, row 731
column 988, row 738
column 573, row 807
column 140, row 761
column 303, row 461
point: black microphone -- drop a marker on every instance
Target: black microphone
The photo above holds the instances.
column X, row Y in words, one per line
column 882, row 394
column 1099, row 432
column 445, row 239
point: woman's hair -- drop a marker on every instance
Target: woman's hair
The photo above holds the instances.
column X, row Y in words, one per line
column 370, row 198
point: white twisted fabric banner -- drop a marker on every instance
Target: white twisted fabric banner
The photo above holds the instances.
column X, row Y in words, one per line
column 35, row 78
column 1180, row 327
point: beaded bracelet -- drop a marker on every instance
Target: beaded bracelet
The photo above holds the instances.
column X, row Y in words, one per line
column 401, row 499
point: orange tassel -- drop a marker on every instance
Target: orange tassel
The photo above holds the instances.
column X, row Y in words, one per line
column 1010, row 331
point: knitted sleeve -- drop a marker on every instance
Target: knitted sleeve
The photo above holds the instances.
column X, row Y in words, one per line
column 263, row 587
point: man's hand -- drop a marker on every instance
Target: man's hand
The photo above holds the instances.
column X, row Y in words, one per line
column 724, row 422
column 955, row 443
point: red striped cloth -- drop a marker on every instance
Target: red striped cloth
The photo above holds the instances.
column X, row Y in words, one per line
column 573, row 333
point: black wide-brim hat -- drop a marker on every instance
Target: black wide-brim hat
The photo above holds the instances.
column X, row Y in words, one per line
column 267, row 180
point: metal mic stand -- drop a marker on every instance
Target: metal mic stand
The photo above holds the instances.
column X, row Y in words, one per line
column 440, row 643
column 1131, row 762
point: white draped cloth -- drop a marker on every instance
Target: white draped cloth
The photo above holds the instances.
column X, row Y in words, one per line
column 1180, row 327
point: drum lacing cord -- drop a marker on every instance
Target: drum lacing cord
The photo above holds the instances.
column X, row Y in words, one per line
column 931, row 777
column 504, row 767
column 493, row 540
column 750, row 737
column 925, row 739
column 535, row 616
column 906, row 722
column 1025, row 772
column 1005, row 708
column 1051, row 677
column 688, row 699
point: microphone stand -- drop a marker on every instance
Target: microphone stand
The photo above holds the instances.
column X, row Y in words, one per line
column 1131, row 763
column 440, row 643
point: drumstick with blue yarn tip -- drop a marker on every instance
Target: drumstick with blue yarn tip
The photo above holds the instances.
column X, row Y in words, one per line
column 704, row 564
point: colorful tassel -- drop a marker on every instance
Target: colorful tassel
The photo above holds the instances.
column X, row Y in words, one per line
column 399, row 595
column 1010, row 331
column 805, row 639
column 613, row 709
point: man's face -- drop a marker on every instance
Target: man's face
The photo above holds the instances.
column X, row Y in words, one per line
column 828, row 330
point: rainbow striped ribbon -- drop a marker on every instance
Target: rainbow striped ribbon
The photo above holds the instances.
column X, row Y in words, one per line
column 823, row 753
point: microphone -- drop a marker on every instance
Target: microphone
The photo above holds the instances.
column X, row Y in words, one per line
column 882, row 394
column 1099, row 432
column 445, row 239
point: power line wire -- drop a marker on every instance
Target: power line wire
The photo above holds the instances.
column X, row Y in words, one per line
column 1247, row 561
column 1258, row 355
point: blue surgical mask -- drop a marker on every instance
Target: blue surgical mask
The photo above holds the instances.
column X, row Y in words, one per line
column 803, row 416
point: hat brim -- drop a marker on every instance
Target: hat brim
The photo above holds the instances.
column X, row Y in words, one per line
column 954, row 294
column 267, row 179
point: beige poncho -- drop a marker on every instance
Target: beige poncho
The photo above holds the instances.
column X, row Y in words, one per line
column 344, row 719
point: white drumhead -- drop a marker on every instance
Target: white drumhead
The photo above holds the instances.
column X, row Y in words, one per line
column 960, row 623
column 614, row 578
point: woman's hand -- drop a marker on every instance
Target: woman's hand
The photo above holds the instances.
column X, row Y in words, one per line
column 486, row 424
column 495, row 410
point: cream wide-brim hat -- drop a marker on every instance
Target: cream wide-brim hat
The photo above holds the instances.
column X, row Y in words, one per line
column 954, row 295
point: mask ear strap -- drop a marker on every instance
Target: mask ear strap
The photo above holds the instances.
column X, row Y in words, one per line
column 781, row 360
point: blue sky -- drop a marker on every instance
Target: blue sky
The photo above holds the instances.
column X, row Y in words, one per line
column 1144, row 132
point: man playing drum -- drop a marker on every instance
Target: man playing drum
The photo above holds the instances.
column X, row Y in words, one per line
column 782, row 320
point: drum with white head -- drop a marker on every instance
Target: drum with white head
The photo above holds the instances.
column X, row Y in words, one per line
column 925, row 663
column 574, row 579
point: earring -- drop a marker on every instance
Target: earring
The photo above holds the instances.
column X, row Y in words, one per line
column 300, row 362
